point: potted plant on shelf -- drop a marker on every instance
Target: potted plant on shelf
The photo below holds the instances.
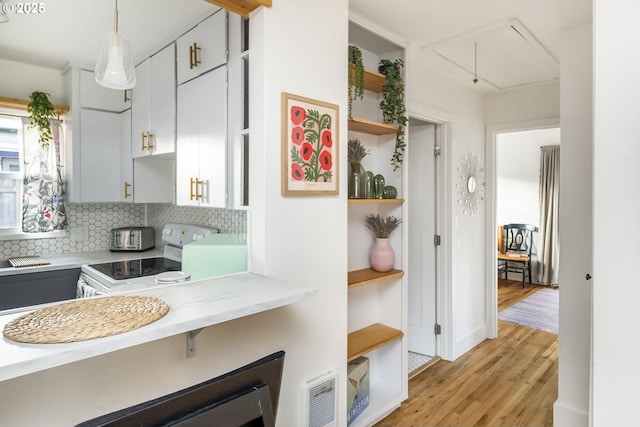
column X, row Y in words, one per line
column 356, row 76
column 393, row 106
column 41, row 111
column 382, row 255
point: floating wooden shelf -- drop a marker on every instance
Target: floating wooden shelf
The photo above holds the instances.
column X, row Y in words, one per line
column 21, row 104
column 241, row 7
column 368, row 201
column 367, row 339
column 367, row 276
column 371, row 127
column 373, row 80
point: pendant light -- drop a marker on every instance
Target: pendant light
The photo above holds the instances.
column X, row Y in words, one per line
column 114, row 68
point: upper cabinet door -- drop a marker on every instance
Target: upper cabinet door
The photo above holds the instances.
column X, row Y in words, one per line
column 163, row 101
column 126, row 162
column 141, row 109
column 203, row 48
column 154, row 105
column 99, row 179
column 201, row 154
column 92, row 95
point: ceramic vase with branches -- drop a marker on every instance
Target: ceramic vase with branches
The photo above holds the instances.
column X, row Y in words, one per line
column 356, row 152
column 382, row 255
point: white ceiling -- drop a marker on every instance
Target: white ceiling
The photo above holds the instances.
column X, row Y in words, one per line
column 442, row 34
column 69, row 31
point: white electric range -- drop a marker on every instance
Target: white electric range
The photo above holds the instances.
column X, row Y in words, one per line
column 143, row 272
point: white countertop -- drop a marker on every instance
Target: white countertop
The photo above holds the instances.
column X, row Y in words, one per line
column 193, row 305
column 75, row 260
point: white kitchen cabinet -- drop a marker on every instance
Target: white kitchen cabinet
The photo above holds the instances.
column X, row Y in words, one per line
column 203, row 48
column 153, row 112
column 154, row 180
column 99, row 97
column 100, row 133
column 126, row 162
column 105, row 156
column 98, row 140
column 202, row 141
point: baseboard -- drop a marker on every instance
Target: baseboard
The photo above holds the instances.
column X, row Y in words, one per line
column 566, row 416
column 424, row 367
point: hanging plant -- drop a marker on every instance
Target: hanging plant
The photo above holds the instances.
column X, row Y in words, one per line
column 41, row 111
column 393, row 106
column 356, row 77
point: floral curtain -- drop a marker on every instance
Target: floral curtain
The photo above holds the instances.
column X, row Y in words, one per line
column 42, row 198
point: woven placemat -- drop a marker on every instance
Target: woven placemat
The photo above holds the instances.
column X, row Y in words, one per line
column 85, row 319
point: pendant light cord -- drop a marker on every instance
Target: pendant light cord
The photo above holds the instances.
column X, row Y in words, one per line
column 475, row 65
column 115, row 19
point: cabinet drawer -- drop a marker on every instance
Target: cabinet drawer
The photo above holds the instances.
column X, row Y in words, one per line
column 22, row 290
column 203, row 48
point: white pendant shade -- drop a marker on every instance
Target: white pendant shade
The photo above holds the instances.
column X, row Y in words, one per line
column 114, row 68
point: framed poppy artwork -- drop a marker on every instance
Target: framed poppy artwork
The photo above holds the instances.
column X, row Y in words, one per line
column 309, row 146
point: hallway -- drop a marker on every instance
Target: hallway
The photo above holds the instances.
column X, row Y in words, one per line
column 506, row 382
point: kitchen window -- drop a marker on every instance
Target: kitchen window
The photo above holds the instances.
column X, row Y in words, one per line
column 12, row 184
column 10, row 174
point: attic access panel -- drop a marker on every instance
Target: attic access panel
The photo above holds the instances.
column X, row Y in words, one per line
column 508, row 56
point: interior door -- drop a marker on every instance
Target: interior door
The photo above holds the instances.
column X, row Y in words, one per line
column 422, row 251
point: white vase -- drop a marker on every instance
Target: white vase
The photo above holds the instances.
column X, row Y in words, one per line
column 382, row 256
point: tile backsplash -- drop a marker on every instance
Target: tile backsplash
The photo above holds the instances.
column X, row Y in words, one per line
column 225, row 220
column 94, row 220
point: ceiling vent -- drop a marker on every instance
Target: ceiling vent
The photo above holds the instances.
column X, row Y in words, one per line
column 503, row 56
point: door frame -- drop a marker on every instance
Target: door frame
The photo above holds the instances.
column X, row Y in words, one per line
column 491, row 261
column 443, row 124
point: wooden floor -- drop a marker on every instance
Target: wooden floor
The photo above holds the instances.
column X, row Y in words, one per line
column 509, row 381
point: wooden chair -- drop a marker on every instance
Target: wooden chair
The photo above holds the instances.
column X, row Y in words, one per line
column 517, row 255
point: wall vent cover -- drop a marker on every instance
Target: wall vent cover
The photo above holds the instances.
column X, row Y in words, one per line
column 320, row 401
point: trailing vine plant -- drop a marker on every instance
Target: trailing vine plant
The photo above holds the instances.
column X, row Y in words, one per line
column 393, row 105
column 41, row 111
column 356, row 78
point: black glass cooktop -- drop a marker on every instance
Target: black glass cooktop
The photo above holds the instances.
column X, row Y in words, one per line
column 124, row 270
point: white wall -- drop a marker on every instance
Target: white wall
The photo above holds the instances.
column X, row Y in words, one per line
column 302, row 239
column 518, row 181
column 518, row 173
column 19, row 80
column 616, row 348
column 575, row 234
column 433, row 95
column 523, row 105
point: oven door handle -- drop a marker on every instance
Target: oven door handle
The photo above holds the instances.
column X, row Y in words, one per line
column 89, row 287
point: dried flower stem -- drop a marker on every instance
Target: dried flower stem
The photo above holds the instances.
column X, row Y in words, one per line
column 382, row 226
